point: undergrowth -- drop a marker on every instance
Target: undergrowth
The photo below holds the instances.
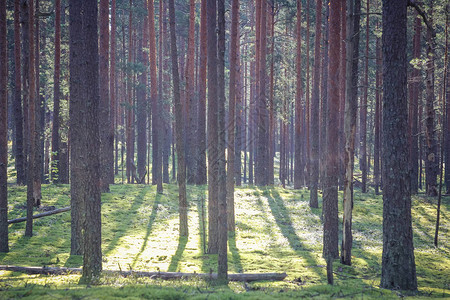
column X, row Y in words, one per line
column 276, row 231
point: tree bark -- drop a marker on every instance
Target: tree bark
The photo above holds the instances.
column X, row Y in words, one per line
column 183, row 206
column 377, row 125
column 398, row 266
column 92, row 250
column 299, row 167
column 351, row 109
column 18, row 113
column 112, row 95
column 4, row 247
column 201, row 128
column 156, row 111
column 330, row 193
column 213, row 137
column 234, row 67
column 56, row 96
column 315, row 104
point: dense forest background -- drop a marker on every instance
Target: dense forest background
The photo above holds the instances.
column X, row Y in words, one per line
column 303, row 94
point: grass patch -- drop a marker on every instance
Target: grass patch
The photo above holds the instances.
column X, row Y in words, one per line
column 276, row 231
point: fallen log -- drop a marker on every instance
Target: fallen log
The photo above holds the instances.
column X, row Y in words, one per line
column 163, row 275
column 44, row 214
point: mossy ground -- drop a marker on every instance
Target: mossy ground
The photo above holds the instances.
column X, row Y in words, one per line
column 276, row 232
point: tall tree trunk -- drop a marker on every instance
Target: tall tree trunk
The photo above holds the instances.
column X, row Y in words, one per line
column 363, row 111
column 92, row 251
column 201, row 128
column 324, row 103
column 307, row 153
column 191, row 107
column 34, row 177
column 299, row 167
column 342, row 67
column 351, row 109
column 413, row 108
column 398, row 266
column 141, row 103
column 18, row 113
column 3, row 132
column 213, row 137
column 129, row 107
column 112, row 94
column 24, row 20
column 330, row 194
column 231, row 126
column 222, row 270
column 156, row 112
column 56, row 96
column 315, row 103
column 377, row 121
column 432, row 155
column 272, row 124
column 183, row 205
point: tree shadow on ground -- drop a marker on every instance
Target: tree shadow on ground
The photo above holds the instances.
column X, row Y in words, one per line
column 151, row 221
column 176, row 258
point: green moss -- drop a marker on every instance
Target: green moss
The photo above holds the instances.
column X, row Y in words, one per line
column 276, row 231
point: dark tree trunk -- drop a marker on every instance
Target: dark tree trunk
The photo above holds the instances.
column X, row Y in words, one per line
column 106, row 151
column 18, row 113
column 156, row 111
column 141, row 104
column 222, row 270
column 183, row 205
column 330, row 194
column 299, row 167
column 76, row 126
column 431, row 153
column 413, row 109
column 213, row 137
column 363, row 111
column 324, row 104
column 398, row 266
column 201, row 128
column 3, row 132
column 56, row 97
column 34, row 176
column 231, row 126
column 92, row 250
column 377, row 137
column 191, row 105
column 315, row 103
column 351, row 109
column 112, row 96
column 129, row 107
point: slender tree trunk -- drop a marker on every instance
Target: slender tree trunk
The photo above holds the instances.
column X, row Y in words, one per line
column 324, row 104
column 398, row 266
column 3, row 132
column 201, row 129
column 432, row 155
column 272, row 124
column 129, row 108
column 222, row 270
column 112, row 95
column 307, row 153
column 299, row 167
column 56, row 96
column 156, row 111
column 363, row 111
column 183, row 205
column 213, row 137
column 342, row 67
column 24, row 12
column 413, row 109
column 141, row 102
column 34, row 176
column 315, row 103
column 105, row 147
column 191, row 107
column 377, row 121
column 231, row 126
column 330, row 193
column 351, row 109
column 18, row 113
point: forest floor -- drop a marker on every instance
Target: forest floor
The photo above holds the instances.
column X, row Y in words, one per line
column 276, row 231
